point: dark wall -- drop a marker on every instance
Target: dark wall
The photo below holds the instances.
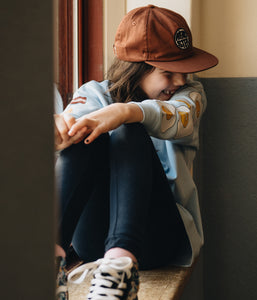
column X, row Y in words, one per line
column 229, row 188
column 26, row 152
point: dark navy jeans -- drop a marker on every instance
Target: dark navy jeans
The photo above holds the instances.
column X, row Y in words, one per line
column 114, row 193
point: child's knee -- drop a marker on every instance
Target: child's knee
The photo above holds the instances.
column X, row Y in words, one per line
column 129, row 133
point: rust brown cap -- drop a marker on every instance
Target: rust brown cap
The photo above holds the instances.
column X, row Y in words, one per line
column 161, row 38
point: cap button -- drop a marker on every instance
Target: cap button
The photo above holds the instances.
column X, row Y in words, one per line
column 151, row 6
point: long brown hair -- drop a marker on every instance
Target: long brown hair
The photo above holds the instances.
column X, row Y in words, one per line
column 124, row 79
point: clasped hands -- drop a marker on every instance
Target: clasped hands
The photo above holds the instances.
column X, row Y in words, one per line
column 69, row 130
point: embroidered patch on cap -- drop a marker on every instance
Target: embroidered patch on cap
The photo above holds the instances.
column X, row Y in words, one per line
column 182, row 39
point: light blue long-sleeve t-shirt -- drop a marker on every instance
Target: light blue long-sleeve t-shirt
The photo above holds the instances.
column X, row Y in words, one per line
column 174, row 128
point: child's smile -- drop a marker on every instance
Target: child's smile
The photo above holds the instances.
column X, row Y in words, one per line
column 161, row 85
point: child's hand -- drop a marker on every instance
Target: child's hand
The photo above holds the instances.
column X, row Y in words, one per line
column 106, row 119
column 59, row 251
column 63, row 123
column 98, row 122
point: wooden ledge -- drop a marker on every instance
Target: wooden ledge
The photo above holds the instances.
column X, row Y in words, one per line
column 163, row 284
column 160, row 284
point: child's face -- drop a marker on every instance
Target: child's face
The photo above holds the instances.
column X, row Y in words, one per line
column 161, row 85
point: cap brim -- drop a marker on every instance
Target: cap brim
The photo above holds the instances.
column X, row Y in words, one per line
column 199, row 61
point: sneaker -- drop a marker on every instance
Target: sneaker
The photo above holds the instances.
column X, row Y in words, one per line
column 113, row 279
column 61, row 281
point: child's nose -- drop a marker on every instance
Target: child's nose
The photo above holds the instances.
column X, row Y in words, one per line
column 179, row 79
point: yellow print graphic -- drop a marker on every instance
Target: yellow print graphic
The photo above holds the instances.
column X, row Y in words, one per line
column 184, row 116
column 168, row 113
column 197, row 109
column 183, row 101
column 196, row 97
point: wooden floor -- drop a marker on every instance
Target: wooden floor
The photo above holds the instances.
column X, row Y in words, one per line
column 160, row 284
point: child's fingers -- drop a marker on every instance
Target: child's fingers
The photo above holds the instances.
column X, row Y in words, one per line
column 69, row 119
column 79, row 136
column 79, row 140
column 58, row 139
column 59, row 251
column 58, row 142
column 89, row 123
column 93, row 135
column 61, row 127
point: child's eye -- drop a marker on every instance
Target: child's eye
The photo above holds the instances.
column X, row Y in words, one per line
column 168, row 74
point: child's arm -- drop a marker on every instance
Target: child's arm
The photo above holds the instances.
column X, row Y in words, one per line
column 106, row 119
column 178, row 118
column 88, row 98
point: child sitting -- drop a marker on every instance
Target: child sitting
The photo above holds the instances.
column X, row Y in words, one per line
column 125, row 186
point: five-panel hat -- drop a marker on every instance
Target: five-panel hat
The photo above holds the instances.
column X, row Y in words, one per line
column 161, row 38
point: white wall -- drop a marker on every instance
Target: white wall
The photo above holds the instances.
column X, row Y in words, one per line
column 114, row 10
column 182, row 7
column 229, row 29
